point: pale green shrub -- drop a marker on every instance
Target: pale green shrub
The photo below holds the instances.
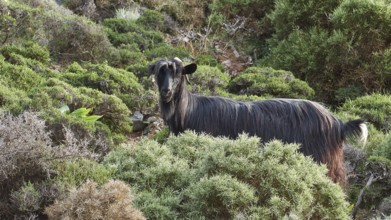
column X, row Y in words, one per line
column 198, row 176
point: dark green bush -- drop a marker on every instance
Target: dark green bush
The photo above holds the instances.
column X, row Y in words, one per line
column 267, row 81
column 319, row 58
column 375, row 108
column 289, row 15
column 367, row 22
column 151, row 20
column 198, row 176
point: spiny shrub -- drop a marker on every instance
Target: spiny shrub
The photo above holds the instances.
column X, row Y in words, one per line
column 55, row 93
column 270, row 82
column 12, row 99
column 164, row 50
column 375, row 108
column 27, row 198
column 316, row 56
column 151, row 20
column 208, row 80
column 28, row 50
column 73, row 173
column 19, row 76
column 122, row 31
column 74, row 39
column 367, row 22
column 198, row 176
column 113, row 200
column 288, row 15
column 108, row 80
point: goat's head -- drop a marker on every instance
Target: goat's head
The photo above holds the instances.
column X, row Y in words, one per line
column 169, row 74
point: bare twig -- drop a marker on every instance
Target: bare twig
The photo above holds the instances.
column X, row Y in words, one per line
column 371, row 180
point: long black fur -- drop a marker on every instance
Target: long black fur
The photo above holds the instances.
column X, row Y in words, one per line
column 291, row 120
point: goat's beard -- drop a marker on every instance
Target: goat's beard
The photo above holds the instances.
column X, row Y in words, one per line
column 166, row 99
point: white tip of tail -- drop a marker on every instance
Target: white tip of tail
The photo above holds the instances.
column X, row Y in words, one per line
column 364, row 133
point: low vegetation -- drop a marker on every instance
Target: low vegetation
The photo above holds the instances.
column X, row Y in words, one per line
column 72, row 74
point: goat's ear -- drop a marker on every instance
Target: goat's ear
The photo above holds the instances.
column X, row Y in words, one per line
column 189, row 69
column 151, row 69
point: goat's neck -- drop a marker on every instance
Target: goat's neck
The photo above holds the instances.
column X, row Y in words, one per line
column 173, row 112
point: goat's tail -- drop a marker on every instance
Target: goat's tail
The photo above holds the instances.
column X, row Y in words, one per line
column 356, row 128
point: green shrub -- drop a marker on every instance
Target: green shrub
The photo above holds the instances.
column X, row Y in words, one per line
column 110, row 201
column 13, row 100
column 108, row 80
column 28, row 50
column 74, row 173
column 151, row 20
column 55, row 93
column 316, row 57
column 208, row 80
column 267, row 81
column 122, row 31
column 205, row 177
column 289, row 15
column 367, row 22
column 74, row 39
column 346, row 93
column 375, row 108
column 19, row 77
column 167, row 51
column 126, row 55
column 209, row 60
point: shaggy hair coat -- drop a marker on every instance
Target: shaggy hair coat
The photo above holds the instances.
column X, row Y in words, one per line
column 308, row 123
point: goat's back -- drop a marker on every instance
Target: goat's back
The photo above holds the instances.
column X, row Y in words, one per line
column 289, row 120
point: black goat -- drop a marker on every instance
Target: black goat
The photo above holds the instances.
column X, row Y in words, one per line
column 292, row 121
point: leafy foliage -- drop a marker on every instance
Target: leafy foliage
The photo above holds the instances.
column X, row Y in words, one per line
column 200, row 176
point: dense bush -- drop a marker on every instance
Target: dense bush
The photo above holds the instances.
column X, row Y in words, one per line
column 55, row 93
column 113, row 200
column 289, row 15
column 343, row 44
column 108, row 80
column 122, row 31
column 270, row 82
column 73, row 173
column 13, row 100
column 375, row 108
column 208, row 80
column 19, row 76
column 26, row 162
column 200, row 176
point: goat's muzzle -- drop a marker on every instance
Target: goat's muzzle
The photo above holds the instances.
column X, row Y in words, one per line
column 166, row 95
